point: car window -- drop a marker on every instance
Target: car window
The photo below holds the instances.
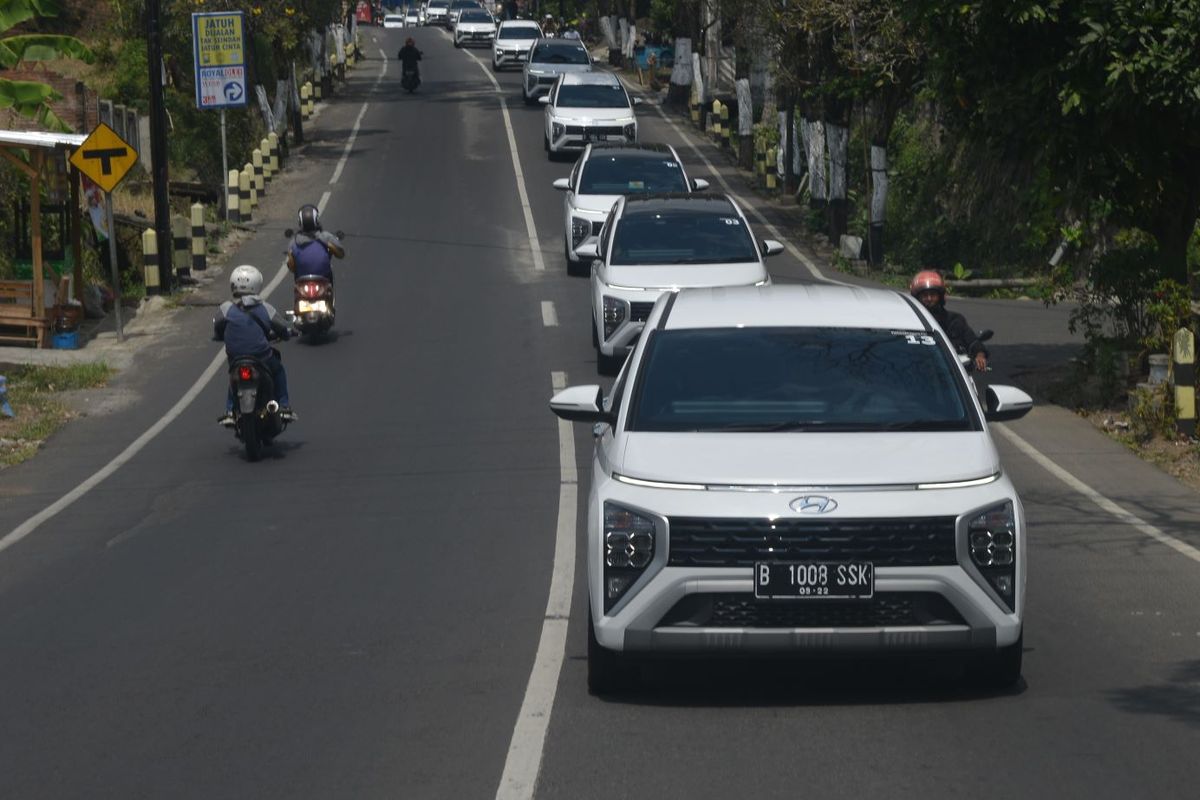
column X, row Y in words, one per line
column 559, row 53
column 798, row 379
column 474, row 15
column 682, row 237
column 519, row 32
column 605, row 174
column 593, row 96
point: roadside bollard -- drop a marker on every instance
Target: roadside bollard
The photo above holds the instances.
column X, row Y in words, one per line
column 716, row 119
column 759, row 159
column 309, row 102
column 150, row 273
column 771, row 169
column 248, row 168
column 725, row 130
column 305, row 89
column 180, row 247
column 273, row 142
column 233, row 209
column 694, row 108
column 317, row 89
column 244, row 209
column 1183, row 352
column 199, row 239
column 260, row 177
column 264, row 147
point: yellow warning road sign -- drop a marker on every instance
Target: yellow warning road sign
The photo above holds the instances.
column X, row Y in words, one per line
column 104, row 157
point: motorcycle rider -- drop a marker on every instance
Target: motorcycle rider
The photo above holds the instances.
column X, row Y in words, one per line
column 929, row 287
column 246, row 325
column 312, row 248
column 408, row 56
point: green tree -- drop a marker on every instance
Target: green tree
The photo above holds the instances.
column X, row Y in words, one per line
column 30, row 98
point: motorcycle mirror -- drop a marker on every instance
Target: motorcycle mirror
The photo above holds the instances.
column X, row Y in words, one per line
column 288, row 233
column 985, row 334
column 340, row 234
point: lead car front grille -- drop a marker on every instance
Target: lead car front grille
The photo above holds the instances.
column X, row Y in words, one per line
column 884, row 610
column 905, row 542
column 640, row 312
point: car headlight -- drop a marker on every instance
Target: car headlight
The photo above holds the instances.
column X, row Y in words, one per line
column 580, row 228
column 992, row 543
column 631, row 130
column 628, row 546
column 557, row 129
column 614, row 314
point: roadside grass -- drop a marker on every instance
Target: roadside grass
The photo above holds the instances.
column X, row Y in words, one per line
column 34, row 393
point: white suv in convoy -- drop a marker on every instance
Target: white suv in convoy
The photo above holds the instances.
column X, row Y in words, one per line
column 661, row 243
column 437, row 12
column 605, row 172
column 586, row 107
column 514, row 38
column 799, row 470
column 549, row 58
column 474, row 26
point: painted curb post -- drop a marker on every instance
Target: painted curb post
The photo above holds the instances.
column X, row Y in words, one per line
column 305, row 89
column 770, row 169
column 725, row 125
column 273, row 141
column 199, row 239
column 1183, row 353
column 260, row 176
column 715, row 127
column 233, row 208
column 248, row 168
column 264, row 147
column 180, row 264
column 244, row 210
column 307, row 100
column 150, row 273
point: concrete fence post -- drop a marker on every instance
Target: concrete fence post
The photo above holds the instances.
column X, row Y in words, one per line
column 199, row 239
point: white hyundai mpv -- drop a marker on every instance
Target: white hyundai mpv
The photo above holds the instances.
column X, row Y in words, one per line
column 799, row 470
column 514, row 38
column 549, row 58
column 586, row 107
column 653, row 244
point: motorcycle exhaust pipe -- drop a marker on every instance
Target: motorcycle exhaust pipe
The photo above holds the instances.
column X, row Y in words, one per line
column 272, row 407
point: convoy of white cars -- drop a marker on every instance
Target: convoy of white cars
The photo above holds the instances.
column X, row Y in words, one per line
column 778, row 470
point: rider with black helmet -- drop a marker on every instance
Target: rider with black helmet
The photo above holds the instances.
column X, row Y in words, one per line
column 312, row 248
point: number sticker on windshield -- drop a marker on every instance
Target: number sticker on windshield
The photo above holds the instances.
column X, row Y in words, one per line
column 731, row 220
column 920, row 338
column 637, row 184
column 670, row 165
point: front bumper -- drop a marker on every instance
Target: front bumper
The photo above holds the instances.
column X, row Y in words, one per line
column 504, row 56
column 465, row 38
column 713, row 610
column 575, row 136
column 636, row 305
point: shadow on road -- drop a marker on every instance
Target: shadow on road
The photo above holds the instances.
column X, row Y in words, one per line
column 1177, row 699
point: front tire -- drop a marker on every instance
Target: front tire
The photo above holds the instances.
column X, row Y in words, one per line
column 608, row 365
column 608, row 672
column 1001, row 669
column 528, row 100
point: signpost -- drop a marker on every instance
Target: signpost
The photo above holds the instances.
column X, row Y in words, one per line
column 106, row 158
column 219, row 56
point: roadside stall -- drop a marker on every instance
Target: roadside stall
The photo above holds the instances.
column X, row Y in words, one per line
column 25, row 317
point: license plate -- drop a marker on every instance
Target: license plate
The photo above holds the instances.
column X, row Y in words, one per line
column 597, row 137
column 821, row 580
column 303, row 306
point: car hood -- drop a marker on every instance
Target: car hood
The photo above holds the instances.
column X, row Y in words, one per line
column 684, row 276
column 515, row 44
column 807, row 459
column 596, row 205
column 475, row 27
column 542, row 68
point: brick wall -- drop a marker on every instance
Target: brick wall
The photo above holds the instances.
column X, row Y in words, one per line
column 79, row 106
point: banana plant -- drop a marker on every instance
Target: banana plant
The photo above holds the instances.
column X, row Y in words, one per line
column 30, row 98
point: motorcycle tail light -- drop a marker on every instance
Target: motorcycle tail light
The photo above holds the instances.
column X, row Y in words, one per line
column 310, row 289
column 245, row 373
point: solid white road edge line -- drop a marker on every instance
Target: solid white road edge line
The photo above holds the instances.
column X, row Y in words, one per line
column 549, row 315
column 49, row 512
column 1098, row 499
column 337, row 172
column 524, row 759
column 526, row 209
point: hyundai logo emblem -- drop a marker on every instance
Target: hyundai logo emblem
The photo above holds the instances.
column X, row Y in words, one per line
column 813, row 504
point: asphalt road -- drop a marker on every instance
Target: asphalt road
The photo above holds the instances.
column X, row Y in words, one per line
column 358, row 615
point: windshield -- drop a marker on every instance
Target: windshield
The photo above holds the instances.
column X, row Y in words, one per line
column 797, row 379
column 618, row 175
column 438, row 4
column 682, row 237
column 457, row 4
column 554, row 53
column 519, row 32
column 592, row 96
column 474, row 15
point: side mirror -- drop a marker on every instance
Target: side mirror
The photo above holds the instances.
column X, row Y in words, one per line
column 544, row 99
column 984, row 334
column 1004, row 403
column 563, row 183
column 580, row 404
column 340, row 234
column 699, row 184
column 637, row 101
column 589, row 249
column 770, row 247
column 288, row 233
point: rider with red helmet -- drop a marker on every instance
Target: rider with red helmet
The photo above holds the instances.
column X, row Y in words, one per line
column 928, row 287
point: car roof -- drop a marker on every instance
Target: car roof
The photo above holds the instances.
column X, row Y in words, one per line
column 563, row 43
column 519, row 23
column 698, row 202
column 632, row 150
column 590, row 79
column 793, row 306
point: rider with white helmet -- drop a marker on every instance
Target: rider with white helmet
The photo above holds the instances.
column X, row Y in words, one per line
column 246, row 325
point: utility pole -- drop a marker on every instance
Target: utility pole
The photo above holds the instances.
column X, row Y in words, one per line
column 158, row 146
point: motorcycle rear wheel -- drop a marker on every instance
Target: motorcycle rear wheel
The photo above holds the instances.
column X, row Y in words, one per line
column 248, row 426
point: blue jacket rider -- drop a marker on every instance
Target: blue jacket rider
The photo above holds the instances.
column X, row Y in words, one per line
column 312, row 249
column 246, row 325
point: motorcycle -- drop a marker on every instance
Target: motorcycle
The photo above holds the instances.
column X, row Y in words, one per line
column 256, row 416
column 313, row 309
column 410, row 79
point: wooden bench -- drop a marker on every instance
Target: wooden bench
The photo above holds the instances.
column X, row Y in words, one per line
column 16, row 311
